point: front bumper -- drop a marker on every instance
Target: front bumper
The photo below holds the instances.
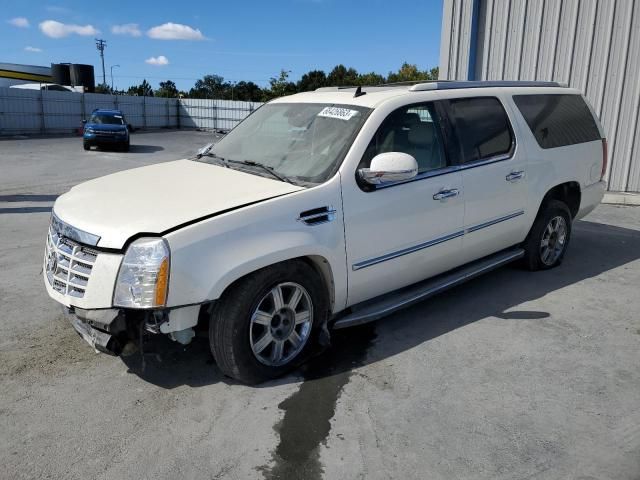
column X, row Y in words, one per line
column 100, row 340
column 93, row 139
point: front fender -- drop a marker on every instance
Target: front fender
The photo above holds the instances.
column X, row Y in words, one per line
column 208, row 256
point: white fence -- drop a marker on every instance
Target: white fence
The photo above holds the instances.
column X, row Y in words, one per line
column 47, row 112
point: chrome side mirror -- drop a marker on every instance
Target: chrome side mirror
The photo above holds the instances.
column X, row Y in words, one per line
column 389, row 167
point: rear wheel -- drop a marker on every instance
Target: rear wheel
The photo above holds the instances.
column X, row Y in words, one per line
column 267, row 323
column 548, row 239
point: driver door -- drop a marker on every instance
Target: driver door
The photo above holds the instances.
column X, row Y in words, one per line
column 400, row 233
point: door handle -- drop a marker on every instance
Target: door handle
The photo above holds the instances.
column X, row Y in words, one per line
column 513, row 176
column 444, row 194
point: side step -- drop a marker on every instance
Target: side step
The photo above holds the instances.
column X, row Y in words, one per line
column 392, row 302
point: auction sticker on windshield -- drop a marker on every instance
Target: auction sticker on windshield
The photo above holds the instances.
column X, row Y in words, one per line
column 337, row 112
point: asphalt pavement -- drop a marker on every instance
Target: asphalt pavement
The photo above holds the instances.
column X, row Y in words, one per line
column 514, row 375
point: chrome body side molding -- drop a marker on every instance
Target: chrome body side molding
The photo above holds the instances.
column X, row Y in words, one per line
column 392, row 302
column 431, row 243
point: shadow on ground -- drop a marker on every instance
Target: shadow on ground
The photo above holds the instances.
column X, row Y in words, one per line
column 595, row 248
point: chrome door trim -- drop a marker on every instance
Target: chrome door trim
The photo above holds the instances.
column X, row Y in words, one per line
column 405, row 251
column 490, row 223
column 431, row 243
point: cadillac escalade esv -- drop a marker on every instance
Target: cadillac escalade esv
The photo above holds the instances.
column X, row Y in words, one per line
column 324, row 210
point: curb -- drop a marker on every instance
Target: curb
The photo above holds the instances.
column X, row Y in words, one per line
column 620, row 198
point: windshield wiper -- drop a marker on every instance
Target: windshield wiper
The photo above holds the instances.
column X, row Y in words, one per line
column 251, row 163
column 213, row 155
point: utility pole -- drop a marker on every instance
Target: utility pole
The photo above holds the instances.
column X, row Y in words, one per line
column 100, row 44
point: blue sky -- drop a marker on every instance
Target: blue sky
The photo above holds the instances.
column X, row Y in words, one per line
column 239, row 40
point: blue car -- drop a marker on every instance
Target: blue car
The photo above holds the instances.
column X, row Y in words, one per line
column 106, row 128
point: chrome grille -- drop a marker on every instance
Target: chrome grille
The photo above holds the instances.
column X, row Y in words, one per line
column 68, row 264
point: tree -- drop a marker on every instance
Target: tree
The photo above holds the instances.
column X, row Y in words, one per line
column 410, row 73
column 312, row 80
column 142, row 90
column 247, row 92
column 370, row 79
column 210, row 86
column 103, row 88
column 280, row 86
column 167, row 89
column 340, row 76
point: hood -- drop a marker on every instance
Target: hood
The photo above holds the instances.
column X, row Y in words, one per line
column 159, row 197
column 106, row 127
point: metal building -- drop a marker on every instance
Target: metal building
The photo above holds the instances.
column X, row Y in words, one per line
column 592, row 45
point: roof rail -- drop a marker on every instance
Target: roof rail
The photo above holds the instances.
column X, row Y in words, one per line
column 455, row 85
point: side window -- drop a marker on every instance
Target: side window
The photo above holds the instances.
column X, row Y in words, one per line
column 558, row 120
column 481, row 127
column 411, row 129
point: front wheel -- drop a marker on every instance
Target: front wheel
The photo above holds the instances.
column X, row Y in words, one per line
column 548, row 239
column 266, row 323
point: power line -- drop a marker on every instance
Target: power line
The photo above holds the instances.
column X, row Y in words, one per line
column 100, row 45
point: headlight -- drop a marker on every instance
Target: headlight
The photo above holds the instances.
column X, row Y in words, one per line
column 121, row 132
column 143, row 279
column 90, row 130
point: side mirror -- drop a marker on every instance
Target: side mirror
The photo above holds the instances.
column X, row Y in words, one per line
column 84, row 121
column 129, row 127
column 389, row 167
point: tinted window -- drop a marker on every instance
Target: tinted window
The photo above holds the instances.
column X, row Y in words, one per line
column 481, row 127
column 106, row 119
column 558, row 120
column 413, row 130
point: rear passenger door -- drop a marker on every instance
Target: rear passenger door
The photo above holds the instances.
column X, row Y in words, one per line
column 493, row 175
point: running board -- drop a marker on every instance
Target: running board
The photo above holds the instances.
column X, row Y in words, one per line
column 392, row 302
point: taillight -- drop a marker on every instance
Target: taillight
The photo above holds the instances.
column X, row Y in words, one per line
column 605, row 158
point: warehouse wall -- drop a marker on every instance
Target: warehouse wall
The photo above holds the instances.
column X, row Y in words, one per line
column 593, row 45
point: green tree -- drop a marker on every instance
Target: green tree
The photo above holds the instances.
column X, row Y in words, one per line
column 210, row 86
column 342, row 76
column 167, row 89
column 370, row 79
column 312, row 80
column 247, row 92
column 280, row 86
column 103, row 88
column 142, row 90
column 411, row 73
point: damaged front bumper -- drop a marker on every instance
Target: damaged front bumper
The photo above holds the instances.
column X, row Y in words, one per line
column 121, row 331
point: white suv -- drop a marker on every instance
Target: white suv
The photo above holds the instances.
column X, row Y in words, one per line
column 324, row 210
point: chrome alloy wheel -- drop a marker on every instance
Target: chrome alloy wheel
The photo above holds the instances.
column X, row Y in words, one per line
column 281, row 324
column 553, row 242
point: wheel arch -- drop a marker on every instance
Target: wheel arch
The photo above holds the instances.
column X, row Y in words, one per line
column 318, row 262
column 568, row 192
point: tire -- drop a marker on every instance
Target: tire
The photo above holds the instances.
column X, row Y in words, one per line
column 543, row 248
column 245, row 343
column 125, row 147
column 86, row 146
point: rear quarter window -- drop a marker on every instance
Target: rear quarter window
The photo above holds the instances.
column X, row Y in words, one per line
column 557, row 120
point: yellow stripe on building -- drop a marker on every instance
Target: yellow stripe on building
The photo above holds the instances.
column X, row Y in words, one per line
column 25, row 76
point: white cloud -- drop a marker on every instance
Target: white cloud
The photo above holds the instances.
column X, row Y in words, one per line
column 32, row 49
column 54, row 29
column 130, row 29
column 158, row 61
column 20, row 22
column 175, row 31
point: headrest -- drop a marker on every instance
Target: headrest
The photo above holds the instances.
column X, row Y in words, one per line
column 421, row 134
column 411, row 119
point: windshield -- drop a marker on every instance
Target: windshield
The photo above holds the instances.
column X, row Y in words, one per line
column 107, row 119
column 302, row 141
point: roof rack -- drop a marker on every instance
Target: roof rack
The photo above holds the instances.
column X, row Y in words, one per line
column 455, row 85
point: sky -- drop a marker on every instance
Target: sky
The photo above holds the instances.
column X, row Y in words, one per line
column 249, row 40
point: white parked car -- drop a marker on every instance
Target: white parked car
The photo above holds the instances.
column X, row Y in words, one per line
column 324, row 210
